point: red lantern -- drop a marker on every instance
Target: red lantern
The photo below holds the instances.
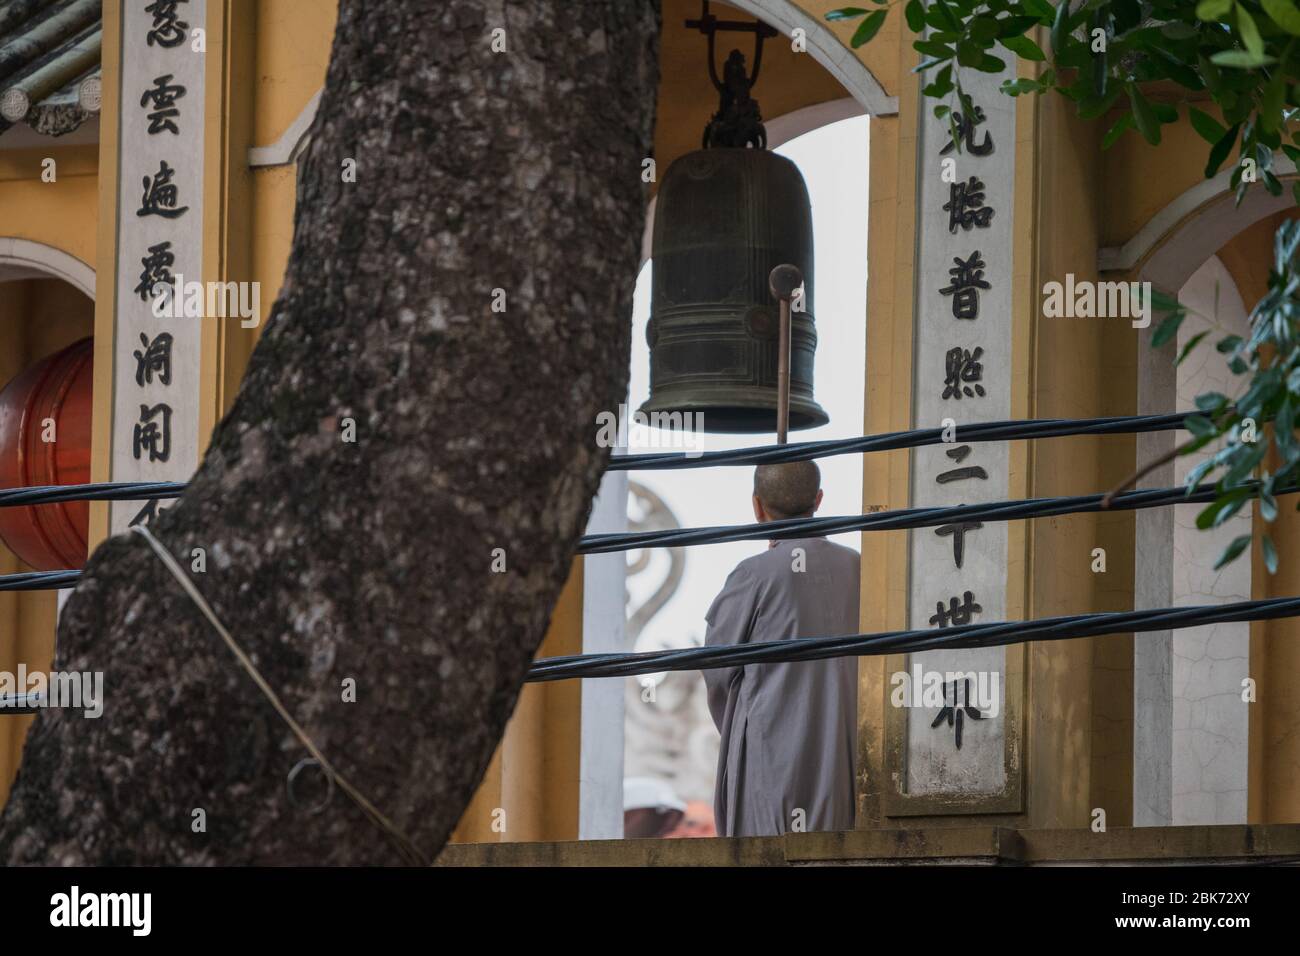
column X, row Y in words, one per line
column 45, row 429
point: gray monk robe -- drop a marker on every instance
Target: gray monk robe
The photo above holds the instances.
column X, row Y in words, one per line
column 788, row 730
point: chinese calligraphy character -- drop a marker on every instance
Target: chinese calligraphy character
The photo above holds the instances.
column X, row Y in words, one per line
column 963, row 373
column 157, row 268
column 965, row 206
column 966, row 134
column 164, row 99
column 957, row 612
column 150, row 437
column 958, row 455
column 957, row 708
column 168, row 29
column 156, row 358
column 967, row 280
column 958, row 532
column 160, row 195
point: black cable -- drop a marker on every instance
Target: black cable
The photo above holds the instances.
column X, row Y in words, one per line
column 997, row 634
column 99, row 491
column 39, row 580
column 902, row 518
column 19, row 704
column 890, row 441
column 757, row 455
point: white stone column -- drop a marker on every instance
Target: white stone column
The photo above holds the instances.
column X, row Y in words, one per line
column 156, row 360
column 604, row 577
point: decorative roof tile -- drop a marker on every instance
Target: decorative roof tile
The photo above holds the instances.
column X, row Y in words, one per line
column 48, row 50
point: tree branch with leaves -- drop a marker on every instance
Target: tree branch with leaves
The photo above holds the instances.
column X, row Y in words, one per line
column 1239, row 57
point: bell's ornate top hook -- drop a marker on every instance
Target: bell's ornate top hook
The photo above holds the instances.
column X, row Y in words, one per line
column 738, row 122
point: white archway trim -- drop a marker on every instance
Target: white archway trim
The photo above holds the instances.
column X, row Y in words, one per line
column 823, row 45
column 1187, row 205
column 826, row 48
column 286, row 150
column 25, row 259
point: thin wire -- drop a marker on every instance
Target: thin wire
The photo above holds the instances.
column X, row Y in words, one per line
column 408, row 849
column 891, row 441
column 906, row 642
column 756, row 455
column 39, row 580
column 787, row 528
column 97, row 491
column 904, row 518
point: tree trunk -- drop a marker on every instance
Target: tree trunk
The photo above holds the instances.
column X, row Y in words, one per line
column 474, row 430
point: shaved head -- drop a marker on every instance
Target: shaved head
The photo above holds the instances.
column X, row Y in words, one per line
column 788, row 490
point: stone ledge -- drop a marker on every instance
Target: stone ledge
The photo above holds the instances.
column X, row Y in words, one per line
column 984, row 845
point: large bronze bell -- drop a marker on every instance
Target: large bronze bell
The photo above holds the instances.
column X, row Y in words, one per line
column 724, row 217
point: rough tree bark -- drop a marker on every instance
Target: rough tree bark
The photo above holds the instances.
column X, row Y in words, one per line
column 474, row 430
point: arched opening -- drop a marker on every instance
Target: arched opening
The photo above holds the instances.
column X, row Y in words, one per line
column 46, row 307
column 1192, row 726
column 671, row 744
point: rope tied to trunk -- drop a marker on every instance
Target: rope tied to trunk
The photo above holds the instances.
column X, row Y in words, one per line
column 409, row 851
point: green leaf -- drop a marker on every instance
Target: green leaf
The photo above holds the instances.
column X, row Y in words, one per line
column 1210, row 129
column 1176, row 30
column 1024, row 48
column 1061, row 27
column 915, row 14
column 1249, row 31
column 945, row 15
column 1144, row 116
column 1211, row 401
column 1270, row 555
column 1222, row 508
column 1242, row 59
column 1220, row 151
column 1248, row 458
column 1125, row 122
column 1167, row 329
column 983, row 30
column 1194, row 341
column 1212, row 9
column 1024, row 85
column 1232, row 551
column 1015, row 26
column 1164, row 302
column 1284, row 14
column 1211, row 74
column 1040, row 8
column 931, row 48
column 845, row 13
column 868, row 28
column 1272, row 102
column 1200, row 427
column 991, row 64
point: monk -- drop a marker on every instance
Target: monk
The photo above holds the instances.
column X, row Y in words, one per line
column 788, row 730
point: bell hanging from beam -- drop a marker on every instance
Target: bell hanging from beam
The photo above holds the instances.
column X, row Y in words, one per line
column 725, row 216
